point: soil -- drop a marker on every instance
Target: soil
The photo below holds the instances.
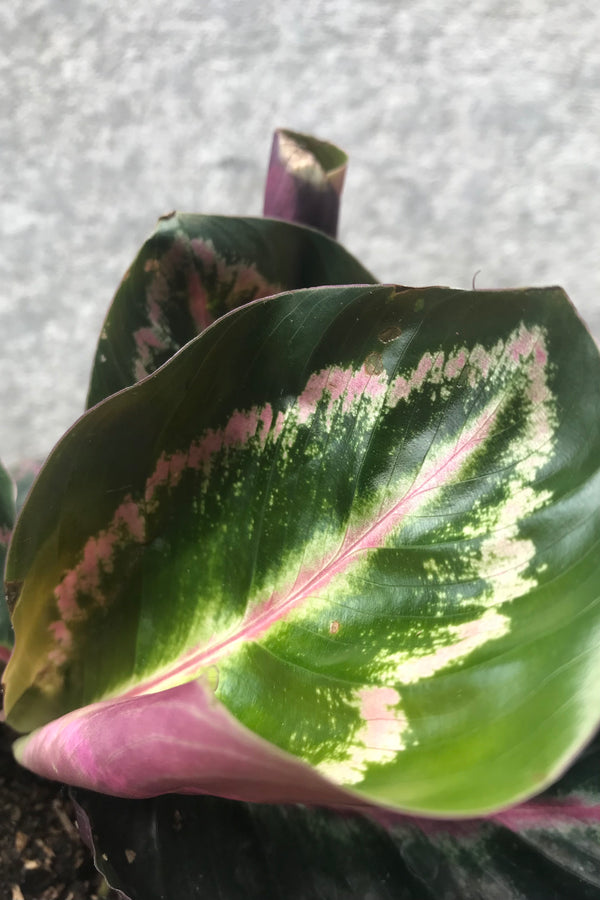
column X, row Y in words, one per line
column 42, row 856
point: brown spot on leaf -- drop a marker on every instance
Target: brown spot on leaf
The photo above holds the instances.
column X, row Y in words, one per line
column 389, row 334
column 374, row 363
column 168, row 215
column 334, row 627
column 130, row 856
column 12, row 592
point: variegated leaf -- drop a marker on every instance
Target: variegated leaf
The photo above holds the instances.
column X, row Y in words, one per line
column 363, row 522
column 194, row 269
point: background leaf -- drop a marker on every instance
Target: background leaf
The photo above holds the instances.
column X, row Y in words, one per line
column 194, row 269
column 7, row 520
column 24, row 475
column 364, row 520
column 173, row 846
column 13, row 491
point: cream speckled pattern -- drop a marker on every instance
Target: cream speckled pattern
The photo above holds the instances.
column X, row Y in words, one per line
column 473, row 134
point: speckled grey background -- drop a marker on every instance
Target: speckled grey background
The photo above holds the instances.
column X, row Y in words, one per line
column 473, row 131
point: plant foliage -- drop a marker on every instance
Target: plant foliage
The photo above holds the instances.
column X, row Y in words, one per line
column 325, row 542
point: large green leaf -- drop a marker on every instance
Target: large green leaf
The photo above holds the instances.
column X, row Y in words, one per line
column 203, row 847
column 366, row 520
column 194, row 269
column 7, row 519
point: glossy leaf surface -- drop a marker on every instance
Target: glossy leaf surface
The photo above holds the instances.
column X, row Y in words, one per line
column 363, row 523
column 173, row 846
column 194, row 269
column 7, row 519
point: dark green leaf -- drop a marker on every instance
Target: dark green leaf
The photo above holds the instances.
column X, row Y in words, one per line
column 174, row 847
column 7, row 520
column 193, row 270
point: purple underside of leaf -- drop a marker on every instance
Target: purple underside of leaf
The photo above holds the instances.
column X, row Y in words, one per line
column 177, row 741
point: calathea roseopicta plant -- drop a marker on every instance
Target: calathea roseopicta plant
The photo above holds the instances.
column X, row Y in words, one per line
column 306, row 603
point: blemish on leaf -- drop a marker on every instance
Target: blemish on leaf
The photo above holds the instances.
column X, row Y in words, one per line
column 374, row 363
column 12, row 590
column 334, row 627
column 130, row 855
column 389, row 334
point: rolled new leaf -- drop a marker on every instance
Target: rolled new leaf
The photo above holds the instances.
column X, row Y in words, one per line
column 359, row 524
column 7, row 520
column 194, row 269
column 305, row 181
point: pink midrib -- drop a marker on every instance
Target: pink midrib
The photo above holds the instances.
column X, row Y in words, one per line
column 269, row 613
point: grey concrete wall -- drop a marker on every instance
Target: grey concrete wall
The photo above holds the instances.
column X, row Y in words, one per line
column 473, row 131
